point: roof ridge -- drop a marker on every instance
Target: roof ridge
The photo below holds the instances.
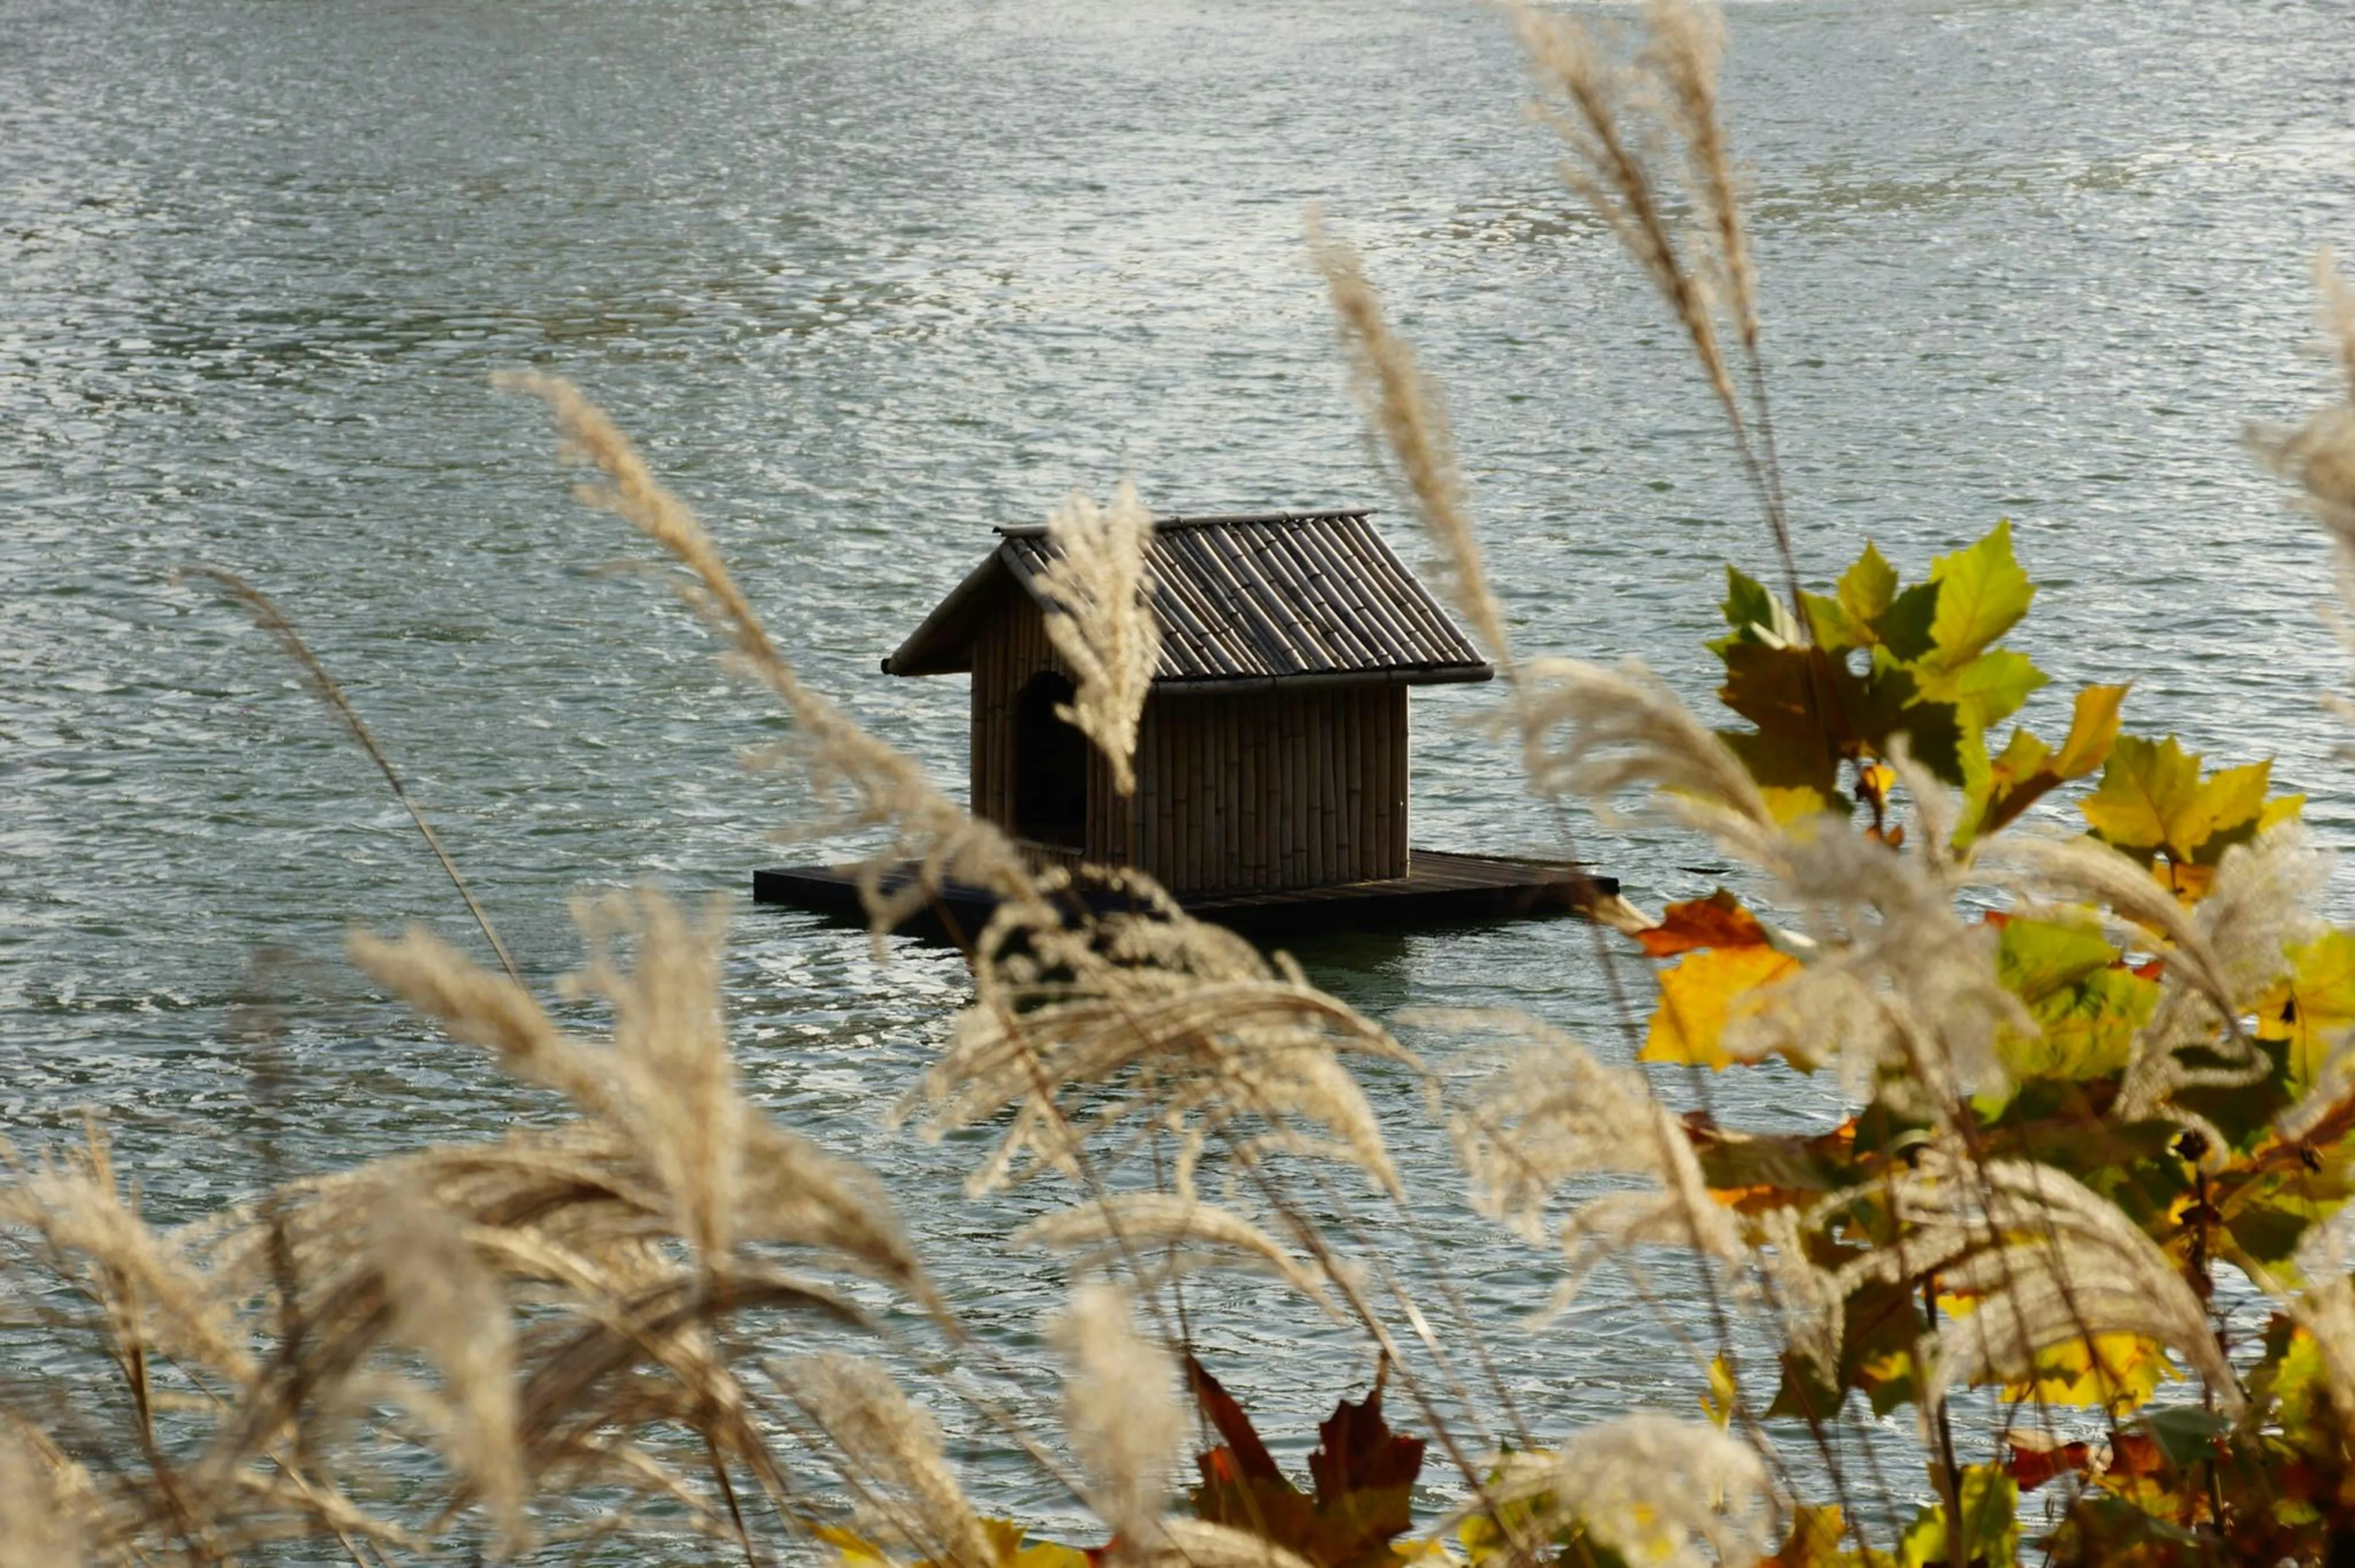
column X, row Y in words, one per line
column 1206, row 520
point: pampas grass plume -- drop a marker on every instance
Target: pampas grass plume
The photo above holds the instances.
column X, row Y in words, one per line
column 1104, row 626
column 1124, row 1421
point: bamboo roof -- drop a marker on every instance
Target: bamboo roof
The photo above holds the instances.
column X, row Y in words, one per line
column 1289, row 598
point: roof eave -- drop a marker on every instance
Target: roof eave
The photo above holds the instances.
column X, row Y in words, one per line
column 939, row 645
column 1314, row 680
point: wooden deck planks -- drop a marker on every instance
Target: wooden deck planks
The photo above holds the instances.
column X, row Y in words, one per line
column 1443, row 888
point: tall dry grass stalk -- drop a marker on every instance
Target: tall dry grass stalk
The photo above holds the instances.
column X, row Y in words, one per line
column 553, row 1311
column 272, row 621
column 48, row 1503
column 1408, row 416
column 2318, row 455
column 1103, row 623
column 893, row 1455
column 885, row 788
column 1555, row 1116
column 1615, row 117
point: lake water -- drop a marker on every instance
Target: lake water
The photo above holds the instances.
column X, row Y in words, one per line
column 867, row 278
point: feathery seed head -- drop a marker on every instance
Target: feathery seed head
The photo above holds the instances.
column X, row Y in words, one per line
column 1651, row 1488
column 1104, row 624
column 47, row 1502
column 1407, row 414
column 1124, row 1425
column 1172, row 1232
column 670, row 1057
column 887, row 1443
column 1557, row 1114
column 886, row 788
column 444, row 1302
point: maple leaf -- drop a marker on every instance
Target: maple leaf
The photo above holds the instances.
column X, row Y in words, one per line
column 2093, row 731
column 1716, row 921
column 1867, row 587
column 1363, row 1475
column 1725, row 956
column 1704, row 991
column 2026, row 769
column 1835, row 630
column 1988, row 1531
column 1812, row 712
column 2129, row 1371
column 2036, row 1457
column 1753, row 1173
column 1905, row 625
column 2152, row 802
column 1986, row 689
column 1982, row 594
column 1814, row 1541
column 2313, row 1005
column 1755, row 615
column 2087, row 1006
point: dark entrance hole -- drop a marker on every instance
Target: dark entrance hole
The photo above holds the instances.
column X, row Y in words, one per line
column 1051, row 767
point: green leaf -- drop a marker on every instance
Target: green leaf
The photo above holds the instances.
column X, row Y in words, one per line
column 1755, row 615
column 2036, row 959
column 1835, row 632
column 1887, row 703
column 1904, row 627
column 2090, row 1029
column 1982, row 595
column 2267, row 1232
column 2185, row 1433
column 1988, row 689
column 1990, row 1529
column 2087, row 1010
column 1867, row 589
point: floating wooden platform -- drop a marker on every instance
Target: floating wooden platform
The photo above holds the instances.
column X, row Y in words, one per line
column 1439, row 889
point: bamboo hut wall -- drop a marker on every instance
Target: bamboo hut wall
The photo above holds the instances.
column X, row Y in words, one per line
column 1009, row 649
column 1273, row 789
column 1256, row 789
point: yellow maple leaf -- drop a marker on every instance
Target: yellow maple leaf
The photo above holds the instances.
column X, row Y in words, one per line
column 2093, row 732
column 2148, row 788
column 2130, row 1369
column 2231, row 798
column 1701, row 993
column 2313, row 1005
column 1814, row 1541
column 2152, row 802
column 851, row 1550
